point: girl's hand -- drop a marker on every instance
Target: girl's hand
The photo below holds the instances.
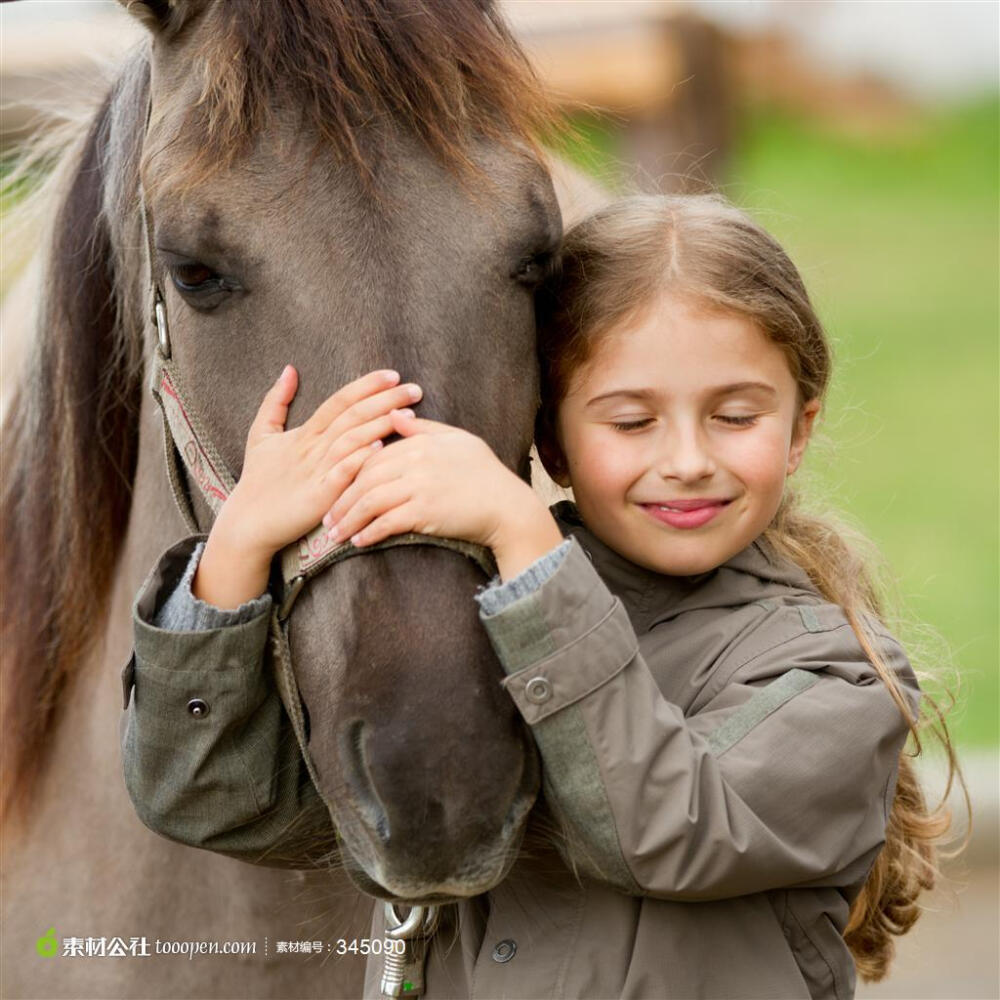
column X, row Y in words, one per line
column 440, row 480
column 290, row 478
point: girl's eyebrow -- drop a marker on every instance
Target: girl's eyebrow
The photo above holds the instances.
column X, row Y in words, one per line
column 728, row 390
column 625, row 393
column 721, row 390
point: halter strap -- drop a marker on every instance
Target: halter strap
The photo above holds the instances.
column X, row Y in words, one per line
column 185, row 438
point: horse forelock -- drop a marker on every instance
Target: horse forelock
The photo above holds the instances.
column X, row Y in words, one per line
column 448, row 70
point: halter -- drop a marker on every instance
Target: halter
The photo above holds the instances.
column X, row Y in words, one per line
column 186, row 442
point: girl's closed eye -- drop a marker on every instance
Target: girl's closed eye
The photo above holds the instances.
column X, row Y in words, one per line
column 738, row 420
column 631, row 425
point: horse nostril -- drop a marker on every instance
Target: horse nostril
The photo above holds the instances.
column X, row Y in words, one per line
column 359, row 777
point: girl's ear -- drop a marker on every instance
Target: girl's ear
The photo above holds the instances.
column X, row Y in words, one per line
column 802, row 433
column 554, row 463
column 549, row 449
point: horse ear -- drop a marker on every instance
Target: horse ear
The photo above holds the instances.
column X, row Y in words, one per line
column 164, row 15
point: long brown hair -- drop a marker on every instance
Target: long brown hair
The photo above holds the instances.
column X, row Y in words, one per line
column 615, row 265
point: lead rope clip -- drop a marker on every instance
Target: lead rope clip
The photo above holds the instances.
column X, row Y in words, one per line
column 403, row 971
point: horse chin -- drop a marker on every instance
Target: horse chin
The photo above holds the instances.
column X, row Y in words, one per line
column 408, row 891
column 390, row 872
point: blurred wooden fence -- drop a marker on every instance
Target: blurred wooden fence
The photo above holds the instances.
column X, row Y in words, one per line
column 656, row 69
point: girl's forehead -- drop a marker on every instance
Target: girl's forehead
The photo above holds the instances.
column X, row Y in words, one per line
column 677, row 346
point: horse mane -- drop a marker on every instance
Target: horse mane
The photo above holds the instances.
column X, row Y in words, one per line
column 447, row 70
column 70, row 435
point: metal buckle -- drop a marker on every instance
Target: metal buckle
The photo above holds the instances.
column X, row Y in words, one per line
column 162, row 330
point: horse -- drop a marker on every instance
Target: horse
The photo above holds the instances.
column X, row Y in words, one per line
column 340, row 184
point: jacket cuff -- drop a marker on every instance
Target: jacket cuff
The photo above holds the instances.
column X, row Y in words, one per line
column 169, row 651
column 562, row 641
column 497, row 595
column 183, row 612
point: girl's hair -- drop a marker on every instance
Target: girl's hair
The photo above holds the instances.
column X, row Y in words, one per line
column 615, row 265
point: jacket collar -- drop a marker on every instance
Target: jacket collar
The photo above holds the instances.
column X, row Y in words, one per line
column 755, row 574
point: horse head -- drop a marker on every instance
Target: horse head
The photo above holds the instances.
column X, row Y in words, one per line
column 344, row 185
column 337, row 187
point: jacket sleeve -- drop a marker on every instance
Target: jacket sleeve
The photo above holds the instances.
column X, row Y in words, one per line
column 210, row 758
column 781, row 779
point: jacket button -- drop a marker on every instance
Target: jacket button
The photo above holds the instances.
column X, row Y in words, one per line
column 538, row 690
column 198, row 708
column 504, row 951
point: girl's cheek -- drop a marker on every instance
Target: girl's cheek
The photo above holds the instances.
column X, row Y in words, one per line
column 762, row 462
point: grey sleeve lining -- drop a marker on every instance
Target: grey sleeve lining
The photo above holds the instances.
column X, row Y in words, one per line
column 497, row 594
column 183, row 612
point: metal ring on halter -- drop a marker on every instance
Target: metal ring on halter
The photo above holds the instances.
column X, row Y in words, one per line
column 418, row 921
column 162, row 330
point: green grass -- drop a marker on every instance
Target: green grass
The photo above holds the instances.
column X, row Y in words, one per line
column 897, row 238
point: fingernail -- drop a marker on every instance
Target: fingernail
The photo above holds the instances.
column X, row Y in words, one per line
column 333, row 534
column 414, row 392
column 284, row 372
column 356, row 539
column 389, row 375
column 406, row 413
column 326, row 520
column 376, row 445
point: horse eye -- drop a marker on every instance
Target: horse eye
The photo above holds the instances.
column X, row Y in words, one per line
column 202, row 287
column 193, row 277
column 533, row 270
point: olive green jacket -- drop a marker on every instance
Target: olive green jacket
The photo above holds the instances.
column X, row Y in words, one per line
column 718, row 754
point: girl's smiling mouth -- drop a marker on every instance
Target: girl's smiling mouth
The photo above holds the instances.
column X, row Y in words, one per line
column 685, row 514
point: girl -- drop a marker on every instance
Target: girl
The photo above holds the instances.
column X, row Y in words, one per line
column 719, row 711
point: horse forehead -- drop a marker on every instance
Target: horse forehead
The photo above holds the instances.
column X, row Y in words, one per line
column 274, row 204
column 287, row 170
column 512, row 181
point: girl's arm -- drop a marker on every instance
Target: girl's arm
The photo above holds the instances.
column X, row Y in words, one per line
column 210, row 758
column 441, row 480
column 209, row 754
column 784, row 777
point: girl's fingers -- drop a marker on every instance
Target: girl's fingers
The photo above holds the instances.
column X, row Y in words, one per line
column 358, row 437
column 406, row 424
column 386, row 467
column 373, row 504
column 273, row 410
column 383, row 468
column 378, row 405
column 397, row 521
column 418, row 425
column 343, row 473
column 347, row 396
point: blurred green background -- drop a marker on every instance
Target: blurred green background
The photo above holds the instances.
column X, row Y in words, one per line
column 896, row 233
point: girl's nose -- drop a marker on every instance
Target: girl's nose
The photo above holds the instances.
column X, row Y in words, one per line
column 685, row 456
